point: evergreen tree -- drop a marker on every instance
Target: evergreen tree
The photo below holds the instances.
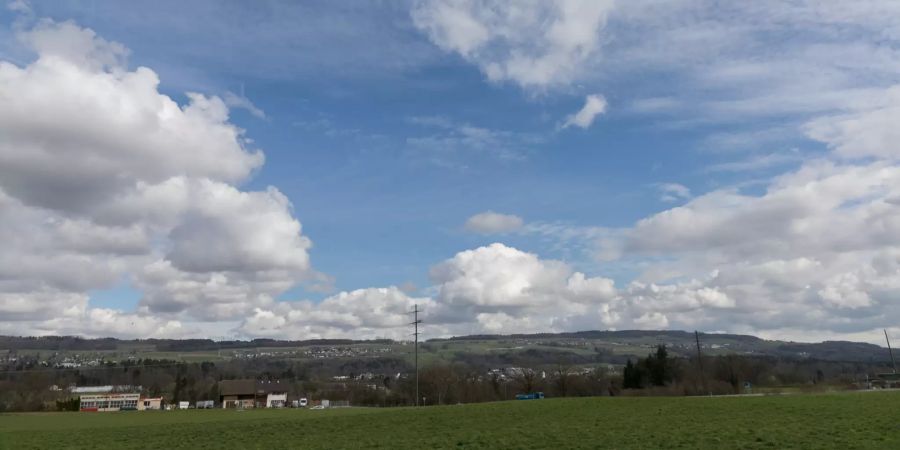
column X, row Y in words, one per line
column 631, row 376
column 660, row 367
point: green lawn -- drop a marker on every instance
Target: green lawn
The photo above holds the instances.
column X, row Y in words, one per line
column 847, row 420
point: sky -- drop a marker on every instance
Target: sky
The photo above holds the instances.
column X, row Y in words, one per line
column 294, row 170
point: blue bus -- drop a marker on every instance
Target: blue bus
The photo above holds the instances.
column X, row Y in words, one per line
column 531, row 396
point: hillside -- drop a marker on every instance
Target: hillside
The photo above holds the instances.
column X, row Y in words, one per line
column 615, row 344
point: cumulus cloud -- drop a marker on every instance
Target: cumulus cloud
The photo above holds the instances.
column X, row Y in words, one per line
column 110, row 178
column 363, row 313
column 817, row 250
column 535, row 44
column 490, row 222
column 501, row 289
column 489, row 289
column 99, row 322
column 92, row 129
column 594, row 105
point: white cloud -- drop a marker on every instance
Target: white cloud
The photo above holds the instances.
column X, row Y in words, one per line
column 529, row 293
column 74, row 117
column 864, row 132
column 489, row 222
column 109, row 178
column 363, row 313
column 535, row 44
column 673, row 192
column 488, row 289
column 799, row 208
column 594, row 105
column 19, row 6
column 240, row 101
column 818, row 250
column 102, row 322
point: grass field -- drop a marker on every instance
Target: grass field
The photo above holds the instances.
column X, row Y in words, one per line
column 847, row 420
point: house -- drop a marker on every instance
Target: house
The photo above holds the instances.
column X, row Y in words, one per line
column 275, row 393
column 252, row 394
column 148, row 403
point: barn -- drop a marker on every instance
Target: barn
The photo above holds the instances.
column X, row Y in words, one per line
column 252, row 394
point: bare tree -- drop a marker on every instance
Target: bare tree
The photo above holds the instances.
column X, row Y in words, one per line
column 527, row 379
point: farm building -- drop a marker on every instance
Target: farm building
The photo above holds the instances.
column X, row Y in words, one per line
column 252, row 394
column 887, row 380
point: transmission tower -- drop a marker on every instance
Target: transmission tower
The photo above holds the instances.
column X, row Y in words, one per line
column 890, row 350
column 415, row 323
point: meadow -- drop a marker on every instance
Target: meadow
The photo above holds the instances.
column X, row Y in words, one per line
column 840, row 420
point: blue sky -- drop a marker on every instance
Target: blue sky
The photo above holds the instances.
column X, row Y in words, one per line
column 388, row 125
column 340, row 112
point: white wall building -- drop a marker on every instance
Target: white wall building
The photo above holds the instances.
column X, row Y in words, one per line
column 276, row 400
column 109, row 402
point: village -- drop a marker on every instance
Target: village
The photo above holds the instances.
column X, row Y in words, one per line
column 234, row 394
column 253, row 393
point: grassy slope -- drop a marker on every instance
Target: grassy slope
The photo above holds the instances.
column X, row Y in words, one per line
column 850, row 420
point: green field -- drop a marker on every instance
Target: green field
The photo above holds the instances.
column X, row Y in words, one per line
column 847, row 420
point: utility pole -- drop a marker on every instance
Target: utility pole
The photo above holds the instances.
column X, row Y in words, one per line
column 893, row 364
column 415, row 323
column 700, row 360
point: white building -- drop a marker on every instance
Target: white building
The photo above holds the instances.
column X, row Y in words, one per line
column 147, row 404
column 276, row 399
column 109, row 402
